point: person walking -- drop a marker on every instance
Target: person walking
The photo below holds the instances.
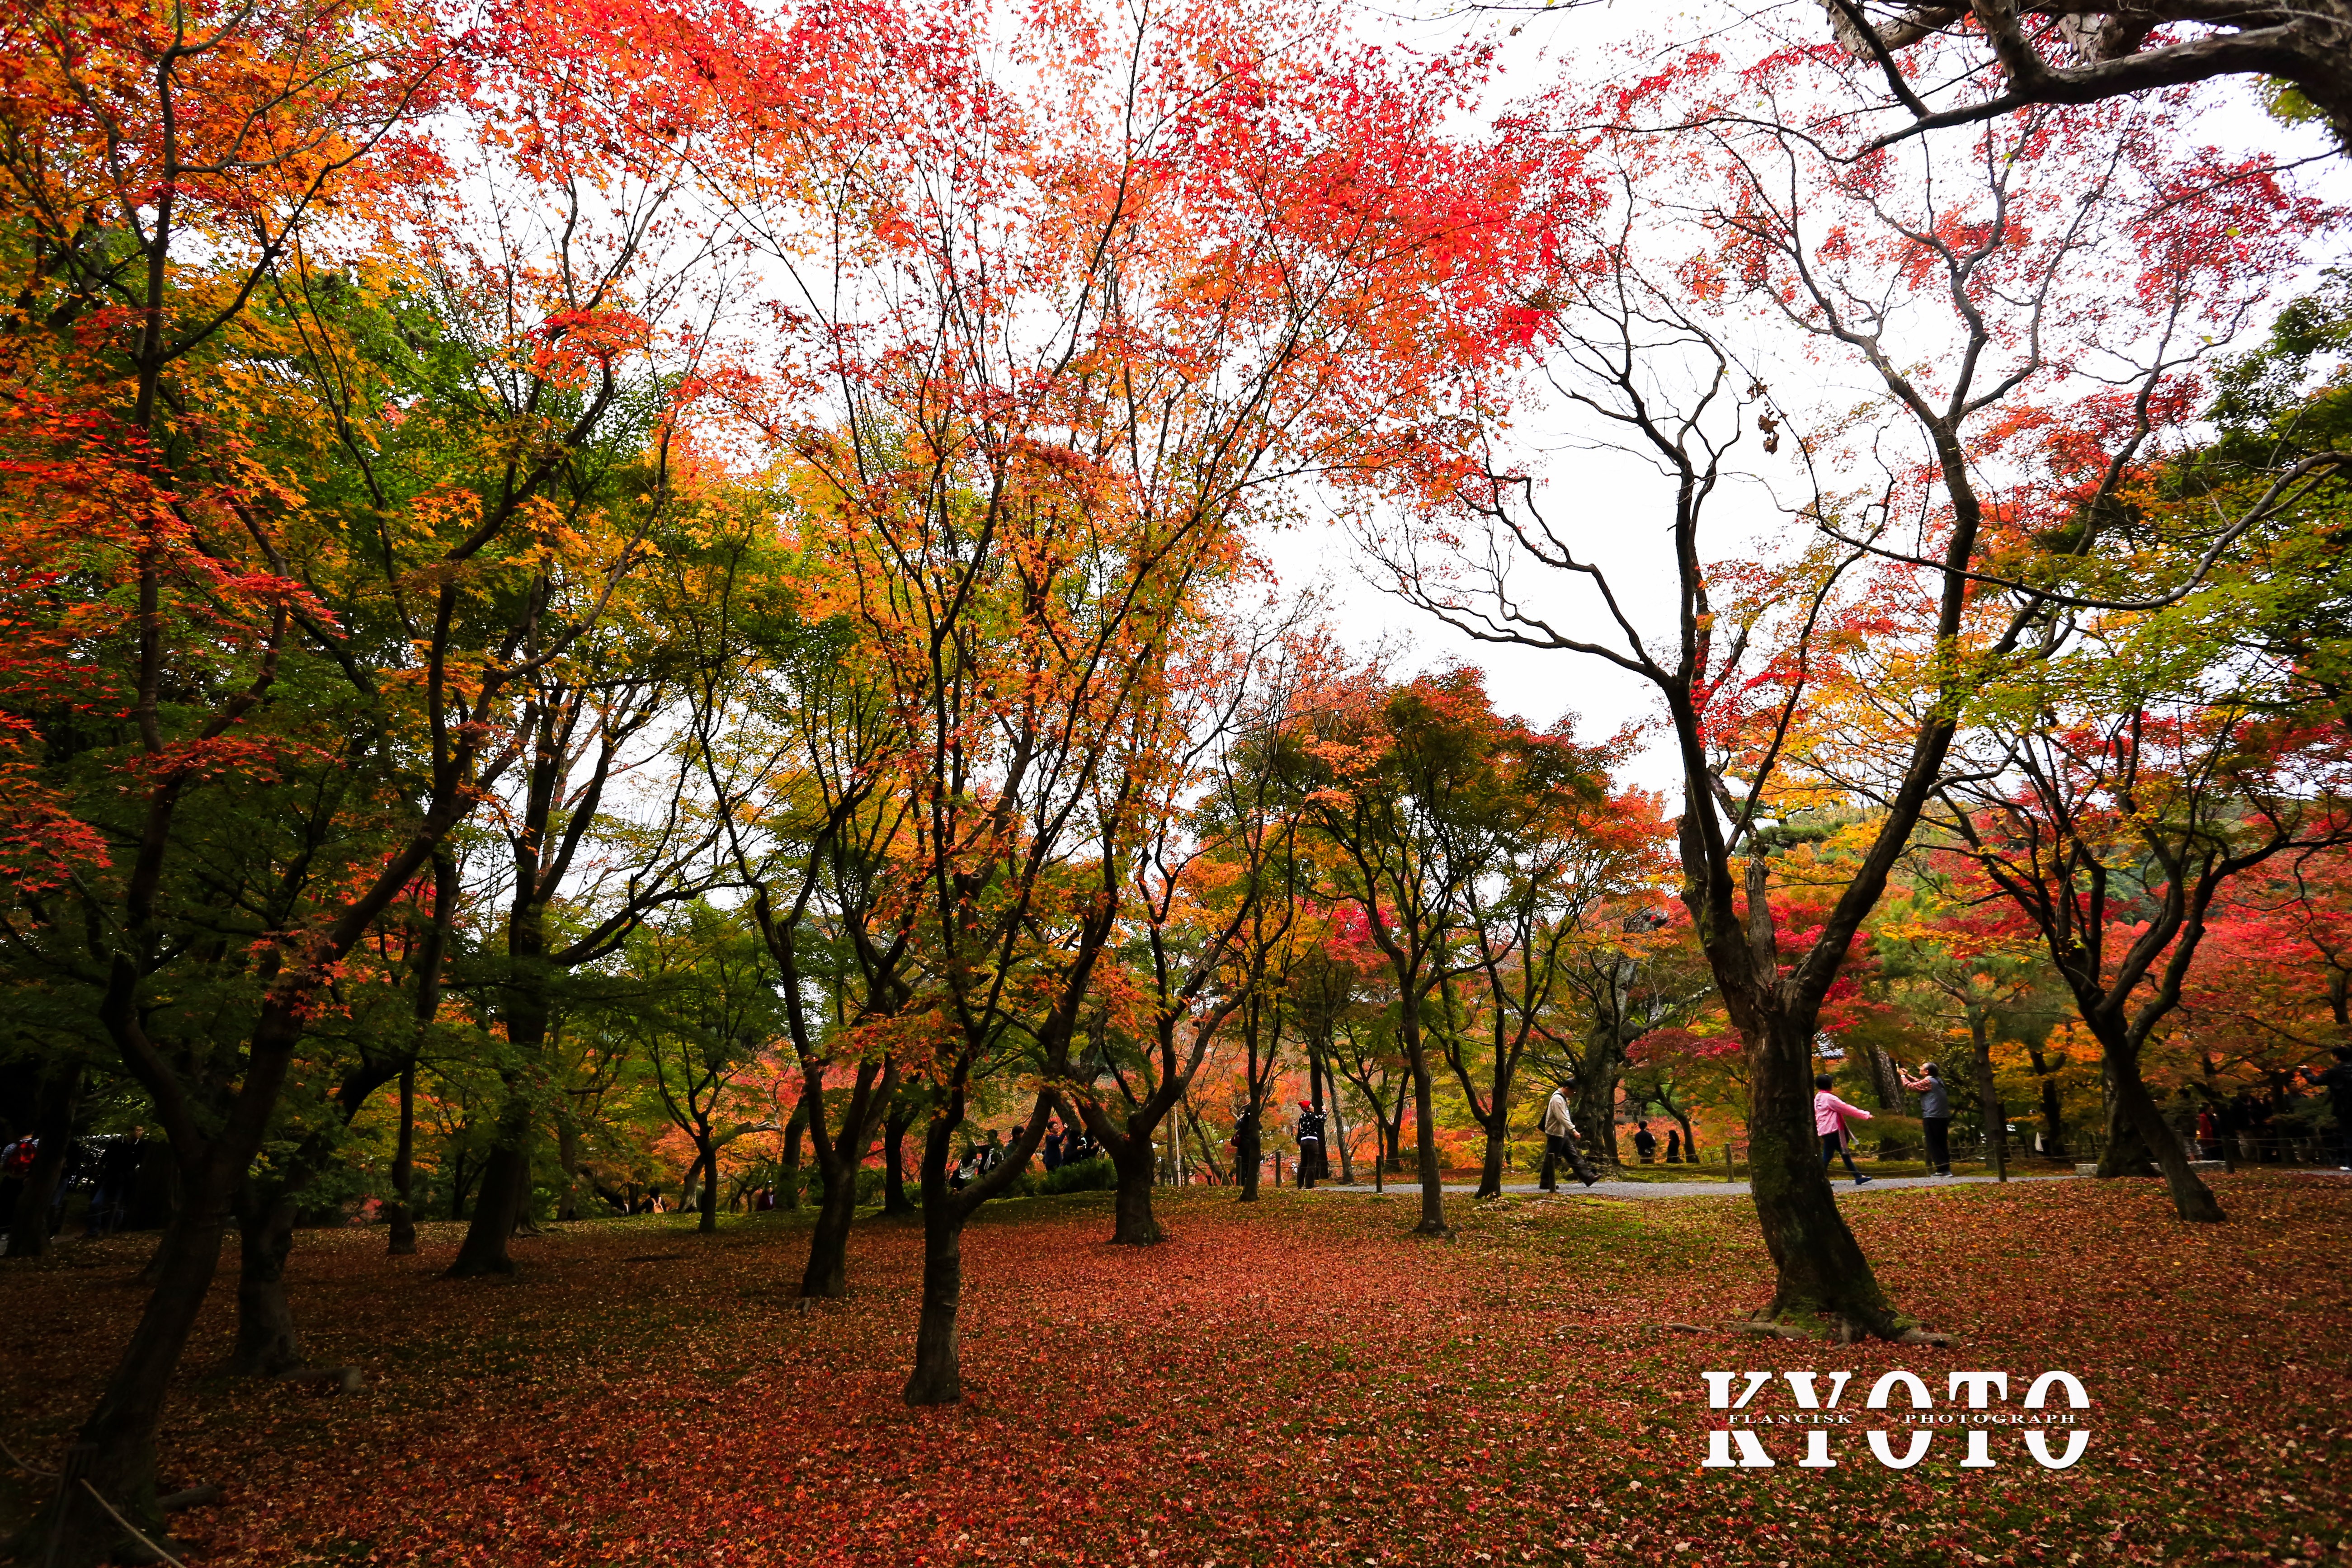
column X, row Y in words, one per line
column 1830, row 1115
column 1935, row 1115
column 2209, row 1133
column 1560, row 1143
column 1310, row 1145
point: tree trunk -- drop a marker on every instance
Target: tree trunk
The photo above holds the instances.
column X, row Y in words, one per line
column 1596, row 1095
column 53, row 1122
column 706, row 1199
column 2123, row 1153
column 938, row 1377
column 1996, row 1121
column 1425, row 1138
column 1133, row 1224
column 2191, row 1198
column 1490, row 1175
column 267, row 1344
column 1822, row 1274
column 2054, row 1127
column 498, row 1207
column 115, row 1450
column 567, row 1160
column 894, row 1178
column 401, row 1218
column 795, row 1130
column 1690, row 1137
column 827, row 1275
column 1247, row 1154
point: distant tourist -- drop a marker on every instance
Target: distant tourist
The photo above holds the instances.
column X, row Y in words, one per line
column 1052, row 1147
column 1560, row 1143
column 1645, row 1142
column 1674, row 1147
column 1935, row 1115
column 1311, row 1145
column 1830, row 1115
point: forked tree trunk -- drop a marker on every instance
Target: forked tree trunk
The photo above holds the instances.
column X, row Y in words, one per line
column 938, row 1377
column 1822, row 1275
column 2137, row 1110
column 266, row 1342
column 1133, row 1223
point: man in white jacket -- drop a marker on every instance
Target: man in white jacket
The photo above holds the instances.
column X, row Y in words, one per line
column 1560, row 1143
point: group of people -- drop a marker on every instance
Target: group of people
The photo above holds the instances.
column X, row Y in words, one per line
column 1834, row 1120
column 107, row 1167
column 1066, row 1148
column 1645, row 1145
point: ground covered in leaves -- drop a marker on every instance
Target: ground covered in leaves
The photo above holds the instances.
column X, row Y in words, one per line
column 1296, row 1383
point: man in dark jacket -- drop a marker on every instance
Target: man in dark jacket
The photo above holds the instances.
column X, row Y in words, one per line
column 1311, row 1145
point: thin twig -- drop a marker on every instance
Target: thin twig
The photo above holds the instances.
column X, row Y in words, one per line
column 136, row 1534
column 19, row 1462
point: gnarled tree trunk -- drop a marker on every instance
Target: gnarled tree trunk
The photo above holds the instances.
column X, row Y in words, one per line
column 266, row 1342
column 1822, row 1274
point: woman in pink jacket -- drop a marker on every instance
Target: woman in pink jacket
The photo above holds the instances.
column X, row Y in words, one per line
column 1830, row 1116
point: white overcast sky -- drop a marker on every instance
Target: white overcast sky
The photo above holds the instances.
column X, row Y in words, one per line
column 1611, row 504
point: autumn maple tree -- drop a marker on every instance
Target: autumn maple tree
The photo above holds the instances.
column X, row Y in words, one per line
column 1968, row 291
